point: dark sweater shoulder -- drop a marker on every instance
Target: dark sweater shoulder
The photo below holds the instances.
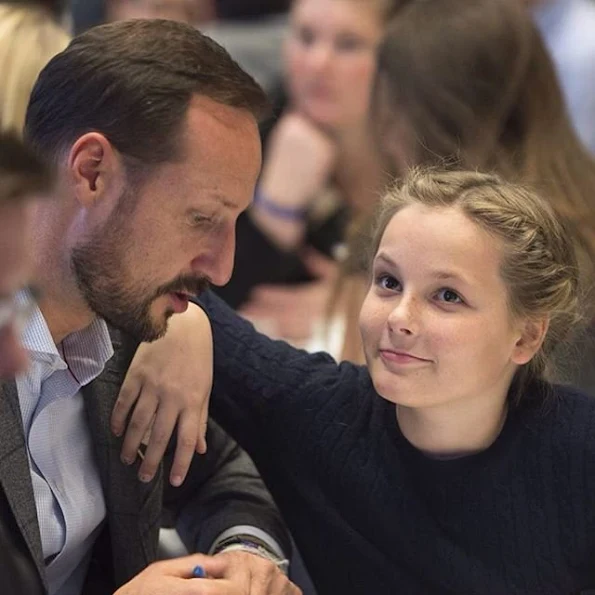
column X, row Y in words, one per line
column 565, row 416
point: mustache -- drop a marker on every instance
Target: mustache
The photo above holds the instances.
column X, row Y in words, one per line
column 185, row 284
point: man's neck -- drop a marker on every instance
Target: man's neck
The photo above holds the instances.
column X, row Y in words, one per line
column 61, row 303
column 63, row 319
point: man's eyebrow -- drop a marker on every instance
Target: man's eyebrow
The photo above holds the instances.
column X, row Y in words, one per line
column 229, row 204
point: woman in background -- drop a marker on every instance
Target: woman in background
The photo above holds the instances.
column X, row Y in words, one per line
column 29, row 37
column 321, row 169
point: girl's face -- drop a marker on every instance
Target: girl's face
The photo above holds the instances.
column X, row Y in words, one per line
column 330, row 59
column 435, row 323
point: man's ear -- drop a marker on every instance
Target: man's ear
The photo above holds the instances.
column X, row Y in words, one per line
column 533, row 334
column 95, row 168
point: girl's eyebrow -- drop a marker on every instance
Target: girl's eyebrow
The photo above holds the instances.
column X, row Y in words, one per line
column 439, row 274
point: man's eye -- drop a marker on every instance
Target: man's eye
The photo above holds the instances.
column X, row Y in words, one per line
column 197, row 219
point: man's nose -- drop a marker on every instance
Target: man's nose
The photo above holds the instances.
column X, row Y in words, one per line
column 217, row 262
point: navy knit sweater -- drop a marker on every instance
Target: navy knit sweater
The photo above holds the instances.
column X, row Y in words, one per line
column 374, row 516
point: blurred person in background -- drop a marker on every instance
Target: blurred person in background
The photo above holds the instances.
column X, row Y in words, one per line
column 250, row 30
column 29, row 36
column 186, row 11
column 23, row 180
column 321, row 169
column 88, row 13
column 568, row 28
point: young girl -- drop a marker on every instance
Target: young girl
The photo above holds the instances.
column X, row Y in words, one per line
column 448, row 465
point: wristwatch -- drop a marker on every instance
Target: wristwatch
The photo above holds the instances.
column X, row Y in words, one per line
column 251, row 545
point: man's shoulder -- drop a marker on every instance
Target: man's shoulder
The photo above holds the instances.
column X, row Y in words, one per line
column 124, row 349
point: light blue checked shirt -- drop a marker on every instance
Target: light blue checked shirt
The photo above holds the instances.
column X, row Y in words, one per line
column 568, row 28
column 66, row 484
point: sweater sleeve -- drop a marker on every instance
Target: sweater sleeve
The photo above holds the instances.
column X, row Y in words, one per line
column 267, row 392
column 223, row 491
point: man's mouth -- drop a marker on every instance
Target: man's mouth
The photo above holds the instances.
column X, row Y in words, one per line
column 180, row 301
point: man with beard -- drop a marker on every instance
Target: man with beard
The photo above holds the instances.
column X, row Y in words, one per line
column 153, row 131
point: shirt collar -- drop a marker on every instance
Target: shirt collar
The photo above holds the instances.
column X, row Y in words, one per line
column 84, row 352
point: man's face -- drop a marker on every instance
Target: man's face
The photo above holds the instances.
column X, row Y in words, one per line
column 15, row 263
column 169, row 238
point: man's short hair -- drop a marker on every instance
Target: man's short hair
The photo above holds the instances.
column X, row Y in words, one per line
column 132, row 81
column 22, row 173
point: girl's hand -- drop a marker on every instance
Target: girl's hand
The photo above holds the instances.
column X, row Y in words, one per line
column 169, row 382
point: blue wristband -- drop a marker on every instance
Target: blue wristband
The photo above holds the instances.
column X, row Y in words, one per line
column 272, row 208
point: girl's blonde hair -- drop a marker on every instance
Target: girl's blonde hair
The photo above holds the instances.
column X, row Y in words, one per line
column 29, row 38
column 539, row 265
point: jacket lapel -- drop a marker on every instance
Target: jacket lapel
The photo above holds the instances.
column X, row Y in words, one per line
column 133, row 508
column 15, row 475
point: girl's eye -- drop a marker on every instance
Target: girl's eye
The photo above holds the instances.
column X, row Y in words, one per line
column 449, row 296
column 387, row 282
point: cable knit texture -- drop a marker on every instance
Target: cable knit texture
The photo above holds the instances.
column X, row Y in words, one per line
column 374, row 516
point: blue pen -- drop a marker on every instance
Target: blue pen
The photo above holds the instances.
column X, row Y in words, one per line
column 199, row 572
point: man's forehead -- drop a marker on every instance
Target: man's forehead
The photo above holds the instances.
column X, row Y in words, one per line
column 206, row 112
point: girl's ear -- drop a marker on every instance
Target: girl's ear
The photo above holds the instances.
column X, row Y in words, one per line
column 532, row 336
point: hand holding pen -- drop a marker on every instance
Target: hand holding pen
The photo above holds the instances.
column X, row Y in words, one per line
column 228, row 573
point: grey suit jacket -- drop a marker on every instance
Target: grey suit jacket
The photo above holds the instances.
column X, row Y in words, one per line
column 221, row 490
column 133, row 508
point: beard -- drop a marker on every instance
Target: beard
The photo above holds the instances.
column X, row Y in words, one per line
column 109, row 291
